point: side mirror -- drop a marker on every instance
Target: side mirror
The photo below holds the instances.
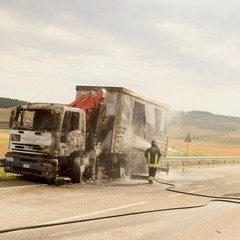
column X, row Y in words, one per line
column 12, row 117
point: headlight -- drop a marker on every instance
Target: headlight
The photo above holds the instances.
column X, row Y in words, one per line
column 15, row 137
column 9, row 159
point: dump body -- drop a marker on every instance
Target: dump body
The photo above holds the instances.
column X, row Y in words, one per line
column 130, row 124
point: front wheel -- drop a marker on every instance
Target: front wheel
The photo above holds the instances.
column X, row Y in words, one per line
column 76, row 170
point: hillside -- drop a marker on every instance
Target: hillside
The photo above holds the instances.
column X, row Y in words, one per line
column 9, row 102
column 205, row 120
column 202, row 125
column 210, row 134
column 6, row 105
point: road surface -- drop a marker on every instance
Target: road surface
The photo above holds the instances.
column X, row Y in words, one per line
column 126, row 208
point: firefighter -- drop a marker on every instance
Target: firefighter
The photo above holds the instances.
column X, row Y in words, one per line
column 153, row 155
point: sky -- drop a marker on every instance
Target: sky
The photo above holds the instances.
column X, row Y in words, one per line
column 185, row 54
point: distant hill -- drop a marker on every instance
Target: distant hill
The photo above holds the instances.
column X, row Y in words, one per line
column 9, row 102
column 203, row 126
column 205, row 120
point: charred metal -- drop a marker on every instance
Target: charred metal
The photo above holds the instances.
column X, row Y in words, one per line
column 102, row 133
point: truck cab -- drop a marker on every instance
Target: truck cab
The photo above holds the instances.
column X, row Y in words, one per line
column 47, row 141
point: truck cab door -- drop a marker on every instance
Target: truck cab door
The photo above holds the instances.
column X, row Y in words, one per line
column 72, row 132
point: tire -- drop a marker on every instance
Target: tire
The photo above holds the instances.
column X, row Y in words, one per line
column 76, row 170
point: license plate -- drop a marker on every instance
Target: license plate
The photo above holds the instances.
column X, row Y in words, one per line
column 26, row 165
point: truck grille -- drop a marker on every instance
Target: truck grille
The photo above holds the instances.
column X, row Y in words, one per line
column 33, row 149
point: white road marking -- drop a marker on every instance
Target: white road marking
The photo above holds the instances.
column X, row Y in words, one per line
column 194, row 191
column 16, row 187
column 232, row 182
column 64, row 233
column 95, row 213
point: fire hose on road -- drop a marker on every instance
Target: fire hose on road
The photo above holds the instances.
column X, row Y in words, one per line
column 170, row 187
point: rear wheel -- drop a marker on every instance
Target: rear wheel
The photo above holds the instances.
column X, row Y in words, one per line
column 76, row 170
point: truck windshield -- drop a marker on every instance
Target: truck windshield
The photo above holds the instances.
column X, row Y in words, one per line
column 37, row 120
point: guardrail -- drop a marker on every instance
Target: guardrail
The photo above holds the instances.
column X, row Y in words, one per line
column 202, row 160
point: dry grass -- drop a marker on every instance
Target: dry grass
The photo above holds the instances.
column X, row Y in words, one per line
column 205, row 141
column 205, row 148
column 5, row 114
column 4, row 139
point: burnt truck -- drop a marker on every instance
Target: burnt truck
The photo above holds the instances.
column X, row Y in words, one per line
column 103, row 133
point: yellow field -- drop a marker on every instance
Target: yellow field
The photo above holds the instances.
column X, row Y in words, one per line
column 204, row 148
column 4, row 139
column 5, row 114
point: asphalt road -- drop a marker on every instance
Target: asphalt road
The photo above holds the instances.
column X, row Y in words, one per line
column 126, row 208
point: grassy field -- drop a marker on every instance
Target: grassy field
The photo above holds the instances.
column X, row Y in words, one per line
column 5, row 114
column 205, row 142
column 4, row 139
column 202, row 148
column 211, row 135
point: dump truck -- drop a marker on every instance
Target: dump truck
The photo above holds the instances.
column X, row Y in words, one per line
column 103, row 133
